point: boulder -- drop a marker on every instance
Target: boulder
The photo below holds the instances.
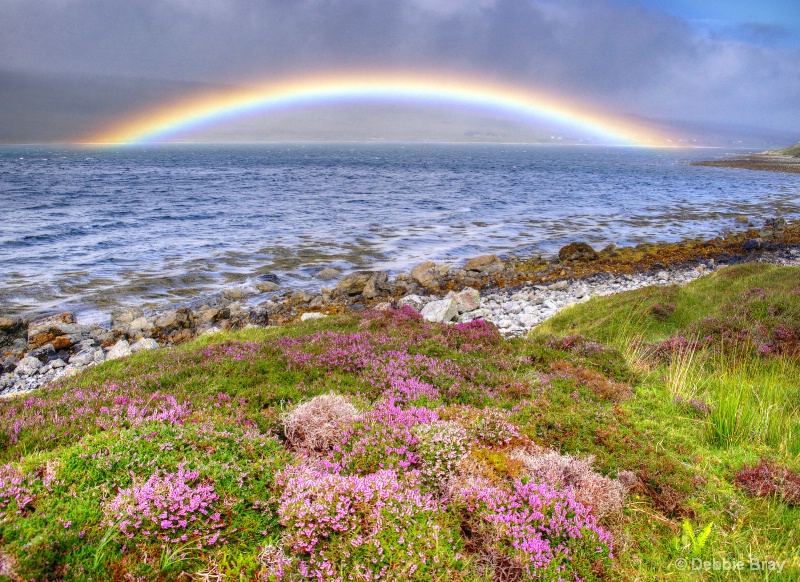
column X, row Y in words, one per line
column 176, row 319
column 44, row 354
column 413, row 301
column 577, row 251
column 266, row 286
column 327, row 274
column 119, row 350
column 144, row 344
column 426, row 274
column 753, row 244
column 28, row 366
column 11, row 328
column 440, row 311
column 312, row 315
column 468, row 299
column 59, row 330
column 122, row 319
column 355, row 283
column 484, row 265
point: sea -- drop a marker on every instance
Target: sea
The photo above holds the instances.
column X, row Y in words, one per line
column 90, row 229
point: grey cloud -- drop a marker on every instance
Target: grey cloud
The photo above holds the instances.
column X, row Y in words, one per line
column 615, row 55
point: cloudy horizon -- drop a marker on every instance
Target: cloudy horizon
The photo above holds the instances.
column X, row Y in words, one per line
column 726, row 64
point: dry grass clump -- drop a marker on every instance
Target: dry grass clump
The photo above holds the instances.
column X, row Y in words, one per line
column 603, row 495
column 314, row 426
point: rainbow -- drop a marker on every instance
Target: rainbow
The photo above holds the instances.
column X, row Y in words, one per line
column 181, row 118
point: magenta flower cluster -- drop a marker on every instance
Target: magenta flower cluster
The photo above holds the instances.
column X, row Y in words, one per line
column 541, row 528
column 14, row 493
column 357, row 527
column 170, row 507
column 382, row 439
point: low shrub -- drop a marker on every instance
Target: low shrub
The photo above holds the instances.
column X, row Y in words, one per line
column 359, row 527
column 534, row 531
column 314, row 426
column 770, row 480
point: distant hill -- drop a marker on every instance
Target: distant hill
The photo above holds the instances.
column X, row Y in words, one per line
column 792, row 151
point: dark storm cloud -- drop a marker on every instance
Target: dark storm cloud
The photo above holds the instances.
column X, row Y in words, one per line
column 616, row 54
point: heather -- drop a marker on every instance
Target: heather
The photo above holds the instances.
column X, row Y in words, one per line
column 383, row 447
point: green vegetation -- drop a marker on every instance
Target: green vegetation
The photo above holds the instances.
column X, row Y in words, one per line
column 627, row 434
column 792, row 151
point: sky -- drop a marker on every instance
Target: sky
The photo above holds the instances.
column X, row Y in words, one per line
column 65, row 64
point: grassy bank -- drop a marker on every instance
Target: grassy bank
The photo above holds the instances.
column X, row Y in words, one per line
column 625, row 435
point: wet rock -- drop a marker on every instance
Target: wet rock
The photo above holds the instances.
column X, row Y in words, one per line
column 468, row 299
column 778, row 223
column 258, row 316
column 577, row 251
column 753, row 244
column 440, row 311
column 327, row 274
column 119, row 350
column 103, row 336
column 59, row 330
column 426, row 274
column 355, row 283
column 173, row 320
column 44, row 354
column 11, row 328
column 144, row 344
column 122, row 319
column 266, row 286
column 28, row 366
column 484, row 265
column 233, row 293
column 312, row 315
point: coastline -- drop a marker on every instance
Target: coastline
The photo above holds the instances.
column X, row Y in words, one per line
column 515, row 295
column 769, row 161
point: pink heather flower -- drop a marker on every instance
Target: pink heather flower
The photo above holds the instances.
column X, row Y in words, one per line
column 165, row 504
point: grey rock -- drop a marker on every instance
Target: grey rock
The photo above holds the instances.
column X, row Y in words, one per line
column 58, row 363
column 144, row 344
column 44, row 354
column 414, row 301
column 28, row 366
column 119, row 350
column 312, row 315
column 327, row 273
column 266, row 286
column 528, row 319
column 440, row 311
column 122, row 319
column 468, row 299
column 558, row 286
column 83, row 358
column 233, row 293
column 354, row 283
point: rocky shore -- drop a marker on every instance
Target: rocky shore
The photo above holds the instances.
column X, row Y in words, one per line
column 787, row 160
column 514, row 294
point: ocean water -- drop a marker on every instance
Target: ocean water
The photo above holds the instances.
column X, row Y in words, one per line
column 93, row 228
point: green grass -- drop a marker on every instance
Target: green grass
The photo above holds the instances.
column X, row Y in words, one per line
column 682, row 386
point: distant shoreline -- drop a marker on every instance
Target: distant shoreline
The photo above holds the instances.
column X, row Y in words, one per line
column 770, row 161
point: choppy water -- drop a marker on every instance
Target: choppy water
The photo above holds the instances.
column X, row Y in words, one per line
column 88, row 229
